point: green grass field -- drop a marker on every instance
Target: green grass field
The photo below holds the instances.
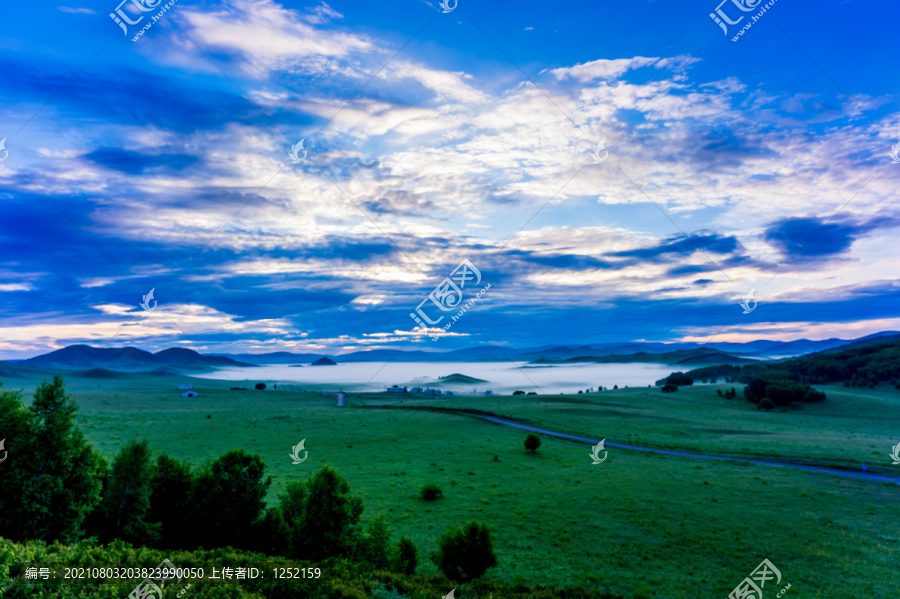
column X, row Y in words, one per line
column 639, row 524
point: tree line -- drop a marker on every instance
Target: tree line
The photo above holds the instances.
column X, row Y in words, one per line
column 56, row 487
column 864, row 366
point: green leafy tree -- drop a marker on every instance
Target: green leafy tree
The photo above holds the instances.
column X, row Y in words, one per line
column 52, row 472
column 466, row 553
column 126, row 502
column 170, row 496
column 374, row 546
column 406, row 557
column 271, row 534
column 292, row 505
column 532, row 442
column 228, row 497
column 331, row 516
column 15, row 431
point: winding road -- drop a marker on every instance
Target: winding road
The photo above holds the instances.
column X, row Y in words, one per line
column 684, row 454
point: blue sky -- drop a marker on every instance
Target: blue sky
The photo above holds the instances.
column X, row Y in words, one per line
column 436, row 137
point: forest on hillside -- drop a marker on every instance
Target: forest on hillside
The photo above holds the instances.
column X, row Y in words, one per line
column 856, row 367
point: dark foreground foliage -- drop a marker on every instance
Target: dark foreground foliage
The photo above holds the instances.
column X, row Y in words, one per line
column 340, row 578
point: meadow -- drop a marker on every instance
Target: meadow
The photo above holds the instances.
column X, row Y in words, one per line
column 639, row 524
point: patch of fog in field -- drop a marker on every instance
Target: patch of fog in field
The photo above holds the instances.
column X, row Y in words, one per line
column 502, row 377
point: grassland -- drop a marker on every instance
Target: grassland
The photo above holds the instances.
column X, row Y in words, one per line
column 639, row 524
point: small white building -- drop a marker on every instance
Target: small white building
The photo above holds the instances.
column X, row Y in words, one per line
column 433, row 391
column 184, row 386
column 189, row 394
column 396, row 389
column 448, row 392
column 416, row 390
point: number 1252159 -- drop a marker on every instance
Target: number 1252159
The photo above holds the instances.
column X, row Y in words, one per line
column 297, row 572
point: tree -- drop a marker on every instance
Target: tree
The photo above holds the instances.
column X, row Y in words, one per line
column 271, row 534
column 126, row 503
column 52, row 477
column 228, row 497
column 532, row 442
column 170, row 496
column 406, row 557
column 465, row 554
column 519, row 392
column 331, row 516
column 667, row 388
column 292, row 504
column 15, row 430
column 374, row 546
column 260, row 386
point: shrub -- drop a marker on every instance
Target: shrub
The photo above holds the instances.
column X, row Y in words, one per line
column 669, row 388
column 466, row 553
column 765, row 404
column 431, row 492
column 532, row 442
column 518, row 393
column 260, row 386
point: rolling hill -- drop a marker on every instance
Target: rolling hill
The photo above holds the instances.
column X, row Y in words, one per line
column 128, row 359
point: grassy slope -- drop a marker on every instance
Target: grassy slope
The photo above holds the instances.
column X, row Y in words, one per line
column 685, row 528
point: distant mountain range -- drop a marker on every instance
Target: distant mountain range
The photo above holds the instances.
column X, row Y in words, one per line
column 760, row 350
column 183, row 361
column 689, row 357
column 176, row 360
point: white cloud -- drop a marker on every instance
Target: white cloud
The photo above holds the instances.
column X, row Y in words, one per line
column 77, row 11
